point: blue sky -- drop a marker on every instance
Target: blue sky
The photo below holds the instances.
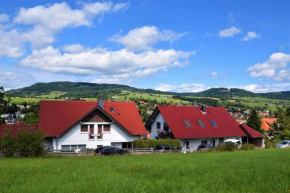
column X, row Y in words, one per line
column 182, row 46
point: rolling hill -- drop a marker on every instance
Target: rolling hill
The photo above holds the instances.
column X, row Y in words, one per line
column 92, row 90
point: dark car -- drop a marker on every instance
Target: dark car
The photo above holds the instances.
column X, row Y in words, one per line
column 164, row 148
column 110, row 150
column 204, row 147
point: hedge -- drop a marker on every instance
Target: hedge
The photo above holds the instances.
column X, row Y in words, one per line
column 148, row 143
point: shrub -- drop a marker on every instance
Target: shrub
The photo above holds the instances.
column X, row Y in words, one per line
column 148, row 143
column 230, row 147
column 247, row 147
column 30, row 143
column 226, row 147
column 8, row 144
column 27, row 143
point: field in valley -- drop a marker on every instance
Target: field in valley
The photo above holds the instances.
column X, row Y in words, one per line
column 243, row 171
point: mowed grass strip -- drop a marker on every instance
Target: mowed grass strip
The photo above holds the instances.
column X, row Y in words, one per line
column 244, row 171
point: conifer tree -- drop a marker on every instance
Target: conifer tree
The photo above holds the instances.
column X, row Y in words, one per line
column 254, row 121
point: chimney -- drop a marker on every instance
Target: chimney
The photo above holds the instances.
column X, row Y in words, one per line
column 101, row 103
column 203, row 109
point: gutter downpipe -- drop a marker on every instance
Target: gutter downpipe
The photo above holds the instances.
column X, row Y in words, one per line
column 57, row 143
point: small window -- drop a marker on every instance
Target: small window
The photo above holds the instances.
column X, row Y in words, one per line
column 204, row 142
column 158, row 125
column 84, row 128
column 187, row 123
column 213, row 123
column 73, row 147
column 201, row 123
column 65, row 147
column 107, row 128
column 81, row 147
column 92, row 136
column 112, row 109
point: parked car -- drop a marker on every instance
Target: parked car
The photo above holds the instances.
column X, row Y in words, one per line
column 110, row 150
column 283, row 144
column 204, row 147
column 164, row 148
column 235, row 141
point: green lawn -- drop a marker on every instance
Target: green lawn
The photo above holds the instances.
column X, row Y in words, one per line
column 244, row 171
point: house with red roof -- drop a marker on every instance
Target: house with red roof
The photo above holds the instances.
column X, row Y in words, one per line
column 194, row 126
column 80, row 124
column 71, row 125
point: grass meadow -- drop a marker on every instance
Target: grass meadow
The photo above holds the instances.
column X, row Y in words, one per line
column 243, row 171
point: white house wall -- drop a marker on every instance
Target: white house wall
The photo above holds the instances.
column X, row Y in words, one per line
column 194, row 143
column 74, row 137
column 159, row 118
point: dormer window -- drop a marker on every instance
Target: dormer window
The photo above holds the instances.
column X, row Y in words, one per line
column 187, row 123
column 112, row 109
column 200, row 123
column 213, row 123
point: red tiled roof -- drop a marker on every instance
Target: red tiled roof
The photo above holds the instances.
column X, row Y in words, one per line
column 56, row 117
column 126, row 113
column 14, row 128
column 266, row 122
column 251, row 132
column 175, row 116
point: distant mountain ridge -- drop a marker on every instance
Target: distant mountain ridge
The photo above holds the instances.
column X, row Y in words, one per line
column 94, row 90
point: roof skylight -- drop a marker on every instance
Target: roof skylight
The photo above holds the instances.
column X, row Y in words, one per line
column 201, row 123
column 213, row 123
column 187, row 123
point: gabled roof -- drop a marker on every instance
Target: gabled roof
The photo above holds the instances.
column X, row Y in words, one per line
column 175, row 116
column 250, row 132
column 266, row 122
column 57, row 117
column 14, row 128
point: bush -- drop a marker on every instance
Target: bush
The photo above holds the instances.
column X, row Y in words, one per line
column 226, row 147
column 30, row 143
column 148, row 143
column 247, row 147
column 27, row 143
column 8, row 144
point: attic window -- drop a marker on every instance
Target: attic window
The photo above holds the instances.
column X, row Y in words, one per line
column 112, row 109
column 201, row 123
column 187, row 123
column 213, row 123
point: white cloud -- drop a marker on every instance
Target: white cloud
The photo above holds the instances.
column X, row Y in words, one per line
column 231, row 18
column 43, row 22
column 144, row 37
column 251, row 35
column 73, row 48
column 11, row 80
column 266, row 88
column 182, row 88
column 283, row 75
column 120, row 6
column 277, row 62
column 230, row 32
column 55, row 17
column 93, row 9
column 11, row 44
column 4, row 18
column 100, row 61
